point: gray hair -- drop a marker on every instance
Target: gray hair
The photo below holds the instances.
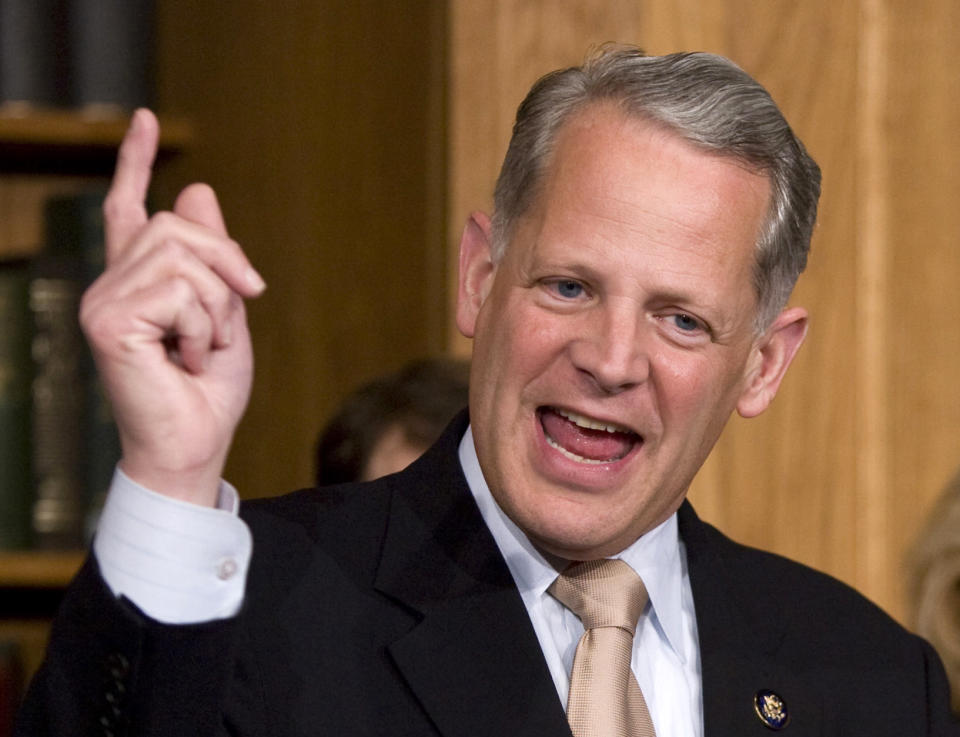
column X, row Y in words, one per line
column 706, row 100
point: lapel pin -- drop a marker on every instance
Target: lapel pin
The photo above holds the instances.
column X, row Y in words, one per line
column 771, row 709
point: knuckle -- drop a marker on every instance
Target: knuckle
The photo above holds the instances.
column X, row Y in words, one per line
column 163, row 220
column 215, row 297
column 98, row 324
column 90, row 303
column 113, row 207
column 181, row 291
column 174, row 249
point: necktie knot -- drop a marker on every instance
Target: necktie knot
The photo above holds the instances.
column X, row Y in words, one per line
column 603, row 593
column 604, row 700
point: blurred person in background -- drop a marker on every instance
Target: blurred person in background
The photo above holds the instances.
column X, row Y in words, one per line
column 934, row 583
column 389, row 422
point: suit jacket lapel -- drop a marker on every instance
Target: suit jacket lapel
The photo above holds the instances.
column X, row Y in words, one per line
column 473, row 660
column 741, row 628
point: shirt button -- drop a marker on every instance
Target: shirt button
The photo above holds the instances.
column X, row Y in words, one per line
column 226, row 569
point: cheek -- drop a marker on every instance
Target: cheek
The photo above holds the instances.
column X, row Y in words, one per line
column 516, row 339
column 691, row 386
column 498, row 356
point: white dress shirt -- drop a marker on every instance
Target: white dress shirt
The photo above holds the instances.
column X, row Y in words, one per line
column 182, row 563
column 666, row 651
column 179, row 562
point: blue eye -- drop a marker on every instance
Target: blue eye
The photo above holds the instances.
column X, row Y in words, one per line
column 686, row 323
column 569, row 289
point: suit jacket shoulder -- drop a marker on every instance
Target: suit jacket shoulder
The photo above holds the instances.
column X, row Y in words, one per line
column 391, row 601
column 839, row 664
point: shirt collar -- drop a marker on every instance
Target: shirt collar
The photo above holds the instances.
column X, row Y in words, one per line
column 655, row 556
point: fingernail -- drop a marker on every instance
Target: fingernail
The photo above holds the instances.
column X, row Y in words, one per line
column 226, row 334
column 255, row 280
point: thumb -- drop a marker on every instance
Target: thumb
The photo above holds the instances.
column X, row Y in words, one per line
column 198, row 203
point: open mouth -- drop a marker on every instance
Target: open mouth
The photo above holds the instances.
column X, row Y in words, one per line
column 585, row 440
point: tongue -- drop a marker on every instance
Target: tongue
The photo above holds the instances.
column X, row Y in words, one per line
column 596, row 445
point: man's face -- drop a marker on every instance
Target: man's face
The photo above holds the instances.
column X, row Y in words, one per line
column 615, row 337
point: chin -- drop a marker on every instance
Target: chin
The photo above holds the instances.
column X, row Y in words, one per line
column 579, row 549
column 577, row 539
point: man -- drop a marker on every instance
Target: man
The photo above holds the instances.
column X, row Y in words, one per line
column 651, row 218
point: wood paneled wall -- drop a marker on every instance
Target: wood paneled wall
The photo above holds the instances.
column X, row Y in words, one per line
column 320, row 125
column 840, row 472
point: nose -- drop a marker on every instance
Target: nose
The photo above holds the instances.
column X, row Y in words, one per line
column 611, row 350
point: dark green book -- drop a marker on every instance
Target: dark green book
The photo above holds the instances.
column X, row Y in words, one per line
column 75, row 444
column 16, row 373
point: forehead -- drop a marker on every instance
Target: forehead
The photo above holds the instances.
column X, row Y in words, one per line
column 613, row 178
column 633, row 201
column 622, row 167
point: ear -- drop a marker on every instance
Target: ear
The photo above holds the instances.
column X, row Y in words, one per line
column 476, row 271
column 773, row 354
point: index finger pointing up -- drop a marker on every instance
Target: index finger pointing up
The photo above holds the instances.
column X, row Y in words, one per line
column 125, row 209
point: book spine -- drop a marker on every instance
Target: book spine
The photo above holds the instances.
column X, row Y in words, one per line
column 16, row 373
column 30, row 65
column 59, row 509
column 111, row 53
column 75, row 441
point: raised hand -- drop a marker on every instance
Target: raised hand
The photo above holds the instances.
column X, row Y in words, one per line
column 168, row 329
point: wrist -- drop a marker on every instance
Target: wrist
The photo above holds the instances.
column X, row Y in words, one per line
column 197, row 485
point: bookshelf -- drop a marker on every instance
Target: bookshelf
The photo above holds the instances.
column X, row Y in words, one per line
column 50, row 151
column 41, row 129
column 39, row 570
column 44, row 153
column 47, row 152
column 31, row 585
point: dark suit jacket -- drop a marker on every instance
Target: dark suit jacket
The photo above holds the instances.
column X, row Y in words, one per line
column 388, row 610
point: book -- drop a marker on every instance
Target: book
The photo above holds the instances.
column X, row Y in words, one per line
column 31, row 57
column 75, row 445
column 16, row 374
column 111, row 54
column 96, row 55
column 58, row 401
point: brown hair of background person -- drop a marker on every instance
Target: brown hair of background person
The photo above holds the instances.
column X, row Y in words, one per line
column 388, row 422
column 934, row 583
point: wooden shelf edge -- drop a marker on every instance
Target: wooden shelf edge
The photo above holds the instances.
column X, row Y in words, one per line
column 75, row 128
column 39, row 569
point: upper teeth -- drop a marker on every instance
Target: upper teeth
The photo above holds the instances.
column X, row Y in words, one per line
column 588, row 422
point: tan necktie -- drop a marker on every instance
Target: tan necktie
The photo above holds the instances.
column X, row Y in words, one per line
column 605, row 699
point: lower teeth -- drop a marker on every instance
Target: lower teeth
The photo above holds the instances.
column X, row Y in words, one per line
column 573, row 456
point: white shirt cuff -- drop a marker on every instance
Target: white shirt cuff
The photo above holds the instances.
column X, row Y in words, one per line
column 180, row 563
